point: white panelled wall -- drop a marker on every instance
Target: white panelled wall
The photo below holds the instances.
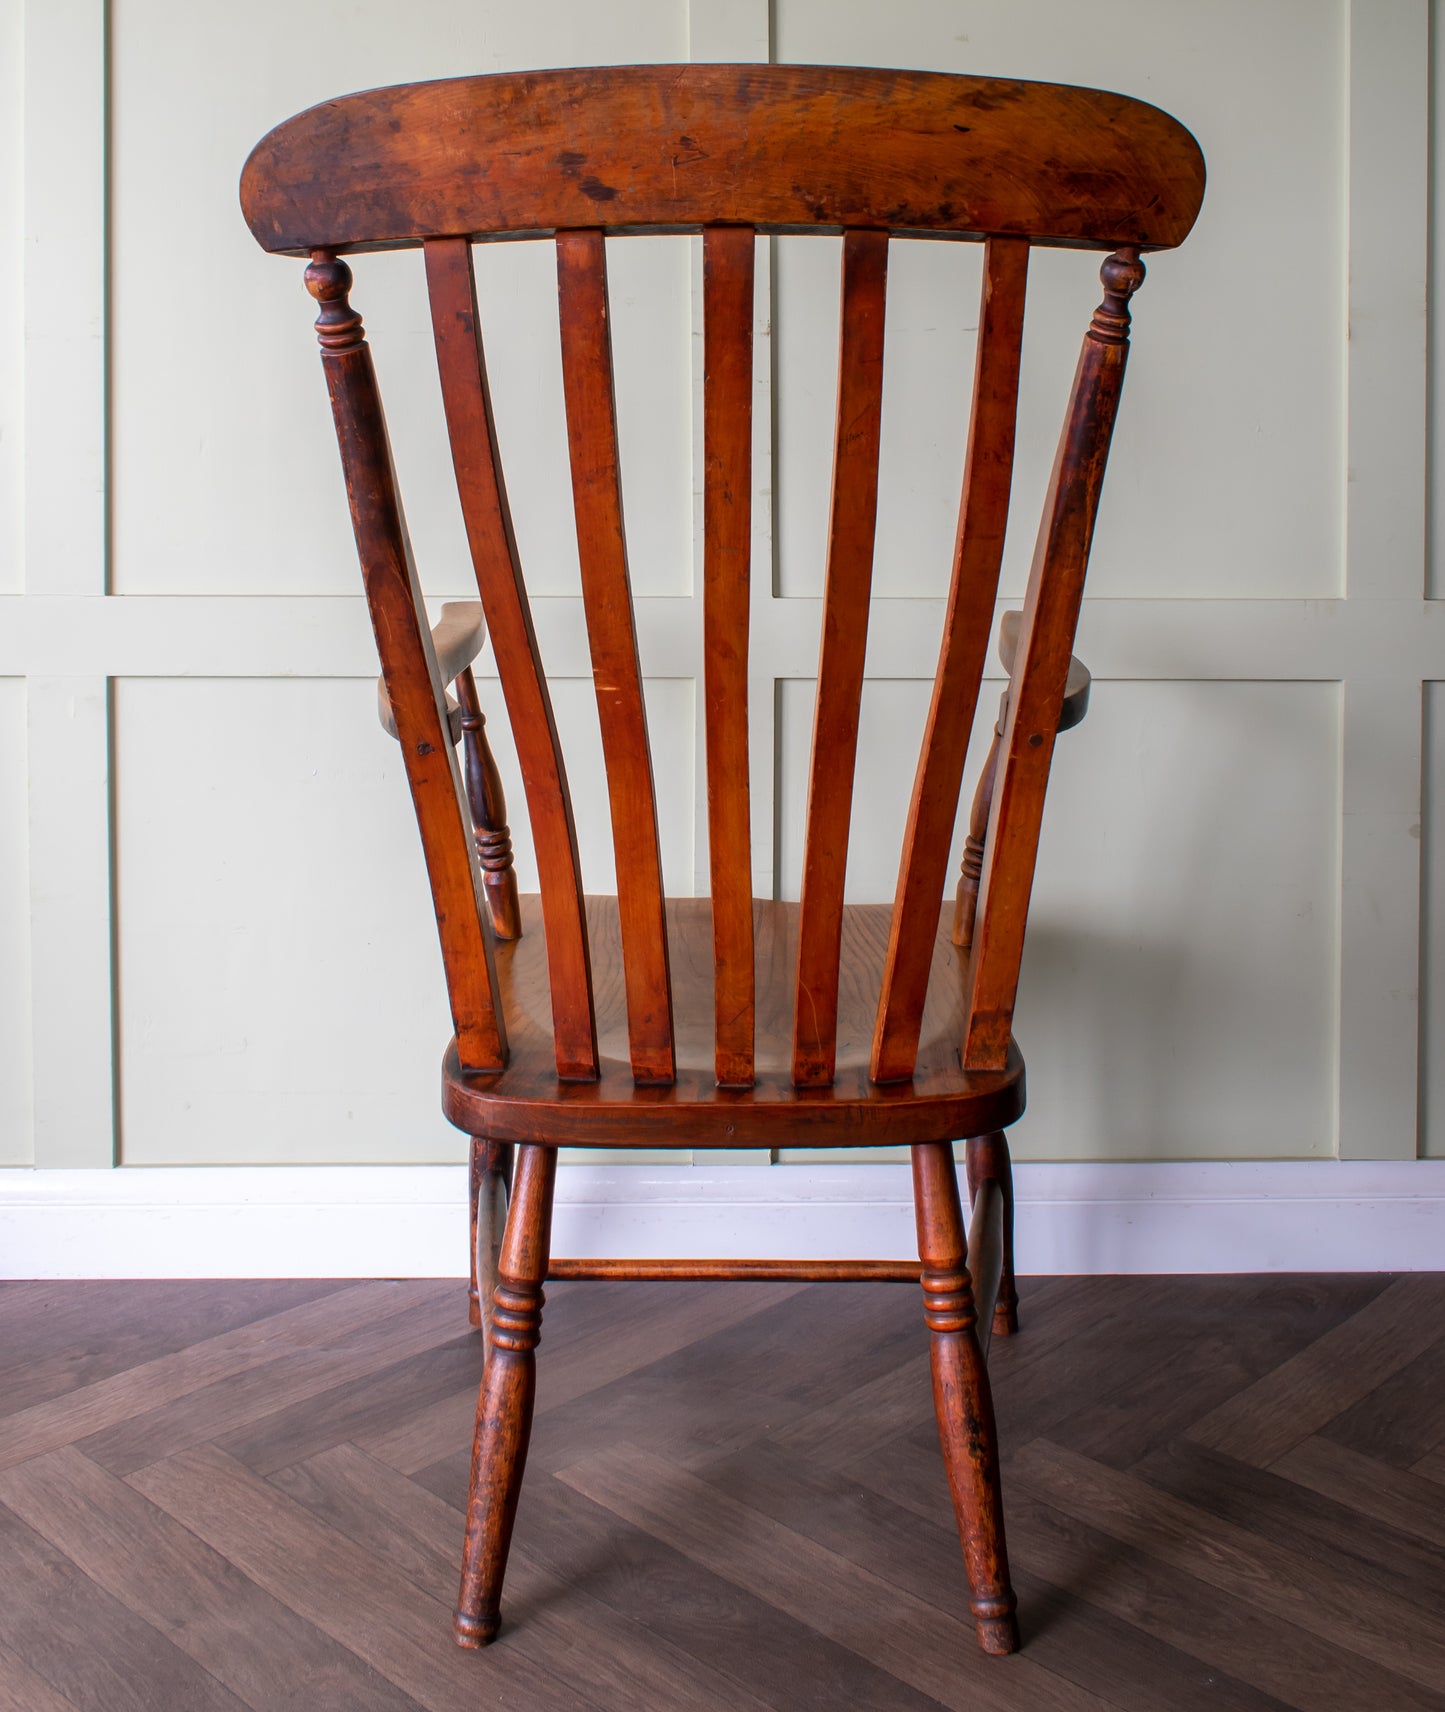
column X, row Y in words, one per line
column 216, row 947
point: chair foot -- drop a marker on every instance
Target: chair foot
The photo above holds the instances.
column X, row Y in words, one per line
column 506, row 1399
column 962, row 1399
column 998, row 1636
column 473, row 1632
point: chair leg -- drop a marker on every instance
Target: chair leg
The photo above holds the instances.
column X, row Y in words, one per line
column 961, row 1396
column 508, row 1392
column 988, row 1157
column 491, row 1181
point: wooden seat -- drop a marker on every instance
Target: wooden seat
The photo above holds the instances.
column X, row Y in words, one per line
column 648, row 1022
column 525, row 1102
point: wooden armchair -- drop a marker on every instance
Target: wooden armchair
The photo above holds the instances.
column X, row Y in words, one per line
column 638, row 1021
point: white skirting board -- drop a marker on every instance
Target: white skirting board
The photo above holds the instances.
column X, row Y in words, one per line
column 411, row 1221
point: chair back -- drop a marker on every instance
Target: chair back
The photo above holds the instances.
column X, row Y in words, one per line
column 732, row 152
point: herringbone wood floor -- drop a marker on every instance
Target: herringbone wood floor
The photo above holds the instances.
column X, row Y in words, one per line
column 1222, row 1492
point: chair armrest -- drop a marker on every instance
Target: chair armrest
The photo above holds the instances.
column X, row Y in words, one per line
column 457, row 638
column 1076, row 690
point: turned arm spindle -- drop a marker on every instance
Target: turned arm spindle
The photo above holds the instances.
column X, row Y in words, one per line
column 489, row 812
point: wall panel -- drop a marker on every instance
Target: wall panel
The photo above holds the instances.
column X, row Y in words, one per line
column 16, row 1106
column 1227, row 948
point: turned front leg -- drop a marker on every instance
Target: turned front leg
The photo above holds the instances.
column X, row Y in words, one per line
column 961, row 1396
column 508, row 1394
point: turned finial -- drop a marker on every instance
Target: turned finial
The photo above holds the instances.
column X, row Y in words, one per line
column 1122, row 274
column 328, row 279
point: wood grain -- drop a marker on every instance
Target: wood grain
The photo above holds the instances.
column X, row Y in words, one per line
column 972, row 591
column 612, row 637
column 779, row 147
column 481, row 487
column 727, row 433
column 853, row 513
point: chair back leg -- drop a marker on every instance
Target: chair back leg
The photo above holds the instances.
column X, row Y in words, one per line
column 507, row 1397
column 988, row 1161
column 961, row 1396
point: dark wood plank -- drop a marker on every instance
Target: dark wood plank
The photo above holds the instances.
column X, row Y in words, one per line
column 1390, row 1562
column 612, row 636
column 122, row 1396
column 250, row 1642
column 930, row 1650
column 1402, row 1419
column 67, row 1630
column 919, row 1551
column 683, row 1602
column 308, row 1369
column 339, row 1587
column 1287, row 1584
column 24, row 1690
column 973, row 588
column 601, row 1651
column 853, row 514
column 1223, row 1629
column 56, row 1337
column 408, row 667
column 481, row 487
column 1400, row 1499
column 727, row 433
column 1296, row 1400
column 785, row 146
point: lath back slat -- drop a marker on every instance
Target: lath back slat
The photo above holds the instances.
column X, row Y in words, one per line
column 1041, row 668
column 612, row 636
column 727, row 414
column 409, row 669
column 481, row 487
column 973, row 588
column 853, row 513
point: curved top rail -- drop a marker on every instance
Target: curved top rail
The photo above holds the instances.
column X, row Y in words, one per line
column 671, row 147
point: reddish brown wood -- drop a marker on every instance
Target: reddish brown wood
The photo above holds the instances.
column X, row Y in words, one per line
column 803, row 1271
column 528, row 1104
column 616, row 673
column 961, row 1397
column 965, row 903
column 727, row 414
column 490, row 1180
column 508, row 1394
column 1076, row 705
column 483, row 494
column 1036, row 697
column 489, row 812
column 811, row 1025
column 403, row 640
column 977, row 555
column 853, row 514
column 989, row 1162
column 781, row 147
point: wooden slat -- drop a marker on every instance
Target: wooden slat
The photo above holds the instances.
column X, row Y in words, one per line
column 728, row 256
column 482, row 490
column 853, row 515
column 409, row 668
column 977, row 555
column 1041, row 668
column 616, row 672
